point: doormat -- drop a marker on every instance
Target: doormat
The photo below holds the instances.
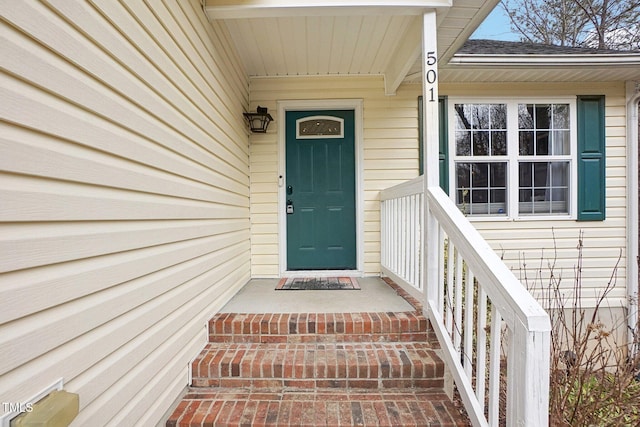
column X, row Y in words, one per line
column 317, row 284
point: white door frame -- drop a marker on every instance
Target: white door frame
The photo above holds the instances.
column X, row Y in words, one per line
column 310, row 105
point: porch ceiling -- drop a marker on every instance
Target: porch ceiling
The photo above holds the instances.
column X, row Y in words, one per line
column 343, row 37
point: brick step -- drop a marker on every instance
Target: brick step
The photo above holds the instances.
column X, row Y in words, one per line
column 318, row 327
column 309, row 365
column 229, row 407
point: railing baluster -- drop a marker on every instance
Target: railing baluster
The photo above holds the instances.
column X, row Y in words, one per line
column 441, row 244
column 421, row 233
column 402, row 234
column 469, row 324
column 416, row 244
column 410, row 239
column 396, row 238
column 407, row 242
column 481, row 346
column 451, row 261
column 383, row 232
column 457, row 323
column 494, row 367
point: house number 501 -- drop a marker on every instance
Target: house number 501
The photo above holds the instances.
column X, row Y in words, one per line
column 431, row 75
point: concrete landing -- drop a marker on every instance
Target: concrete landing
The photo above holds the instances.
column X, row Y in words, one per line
column 260, row 296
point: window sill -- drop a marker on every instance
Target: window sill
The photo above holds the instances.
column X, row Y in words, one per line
column 520, row 218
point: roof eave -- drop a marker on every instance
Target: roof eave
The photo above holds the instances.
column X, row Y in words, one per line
column 478, row 18
column 547, row 61
column 237, row 9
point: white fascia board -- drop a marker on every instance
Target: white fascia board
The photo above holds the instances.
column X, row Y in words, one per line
column 238, row 9
column 516, row 61
column 483, row 9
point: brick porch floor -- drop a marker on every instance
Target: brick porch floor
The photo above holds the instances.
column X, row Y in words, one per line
column 310, row 369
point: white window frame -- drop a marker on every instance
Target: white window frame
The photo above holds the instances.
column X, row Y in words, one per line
column 513, row 158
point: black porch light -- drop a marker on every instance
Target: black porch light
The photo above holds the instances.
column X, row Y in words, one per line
column 258, row 121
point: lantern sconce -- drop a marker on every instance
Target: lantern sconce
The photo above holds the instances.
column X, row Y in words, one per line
column 258, row 121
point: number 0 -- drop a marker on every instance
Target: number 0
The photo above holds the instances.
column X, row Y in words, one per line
column 431, row 76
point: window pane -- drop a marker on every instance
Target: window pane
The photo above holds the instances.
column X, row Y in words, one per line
column 463, row 143
column 497, row 196
column 480, row 143
column 463, row 175
column 498, row 116
column 542, row 143
column 463, row 116
column 497, row 174
column 561, row 142
column 463, row 197
column 481, row 188
column 318, row 126
column 479, row 196
column 543, row 116
column 479, row 175
column 526, row 143
column 559, row 174
column 526, row 174
column 561, row 116
column 525, row 116
column 544, row 188
column 498, row 143
column 481, row 117
column 540, row 174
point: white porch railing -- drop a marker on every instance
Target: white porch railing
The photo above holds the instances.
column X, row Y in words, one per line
column 401, row 217
column 491, row 330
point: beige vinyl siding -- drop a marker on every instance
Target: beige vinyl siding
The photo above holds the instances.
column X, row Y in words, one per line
column 124, row 188
column 528, row 246
column 390, row 150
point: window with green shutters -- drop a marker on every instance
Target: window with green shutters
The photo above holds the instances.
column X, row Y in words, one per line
column 524, row 158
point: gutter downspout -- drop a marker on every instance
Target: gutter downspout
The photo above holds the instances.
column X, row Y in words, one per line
column 633, row 218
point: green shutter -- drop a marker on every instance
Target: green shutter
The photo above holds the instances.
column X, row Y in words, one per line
column 444, row 144
column 591, row 158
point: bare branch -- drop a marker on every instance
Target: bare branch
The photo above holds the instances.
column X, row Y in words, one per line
column 592, row 23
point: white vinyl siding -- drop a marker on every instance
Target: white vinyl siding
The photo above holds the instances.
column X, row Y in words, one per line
column 531, row 242
column 390, row 150
column 124, row 188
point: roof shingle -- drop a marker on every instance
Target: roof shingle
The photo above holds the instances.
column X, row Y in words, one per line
column 498, row 47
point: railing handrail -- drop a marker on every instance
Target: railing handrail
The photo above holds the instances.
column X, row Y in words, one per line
column 408, row 188
column 512, row 299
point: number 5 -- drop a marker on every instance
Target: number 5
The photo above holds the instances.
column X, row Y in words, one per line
column 431, row 58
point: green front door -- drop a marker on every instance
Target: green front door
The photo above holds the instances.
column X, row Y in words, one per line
column 320, row 190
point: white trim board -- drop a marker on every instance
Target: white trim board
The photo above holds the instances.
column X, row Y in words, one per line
column 323, row 104
column 633, row 217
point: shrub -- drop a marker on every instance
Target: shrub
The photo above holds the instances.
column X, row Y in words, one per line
column 594, row 378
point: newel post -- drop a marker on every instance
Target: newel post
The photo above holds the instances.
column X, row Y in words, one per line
column 431, row 158
column 528, row 375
